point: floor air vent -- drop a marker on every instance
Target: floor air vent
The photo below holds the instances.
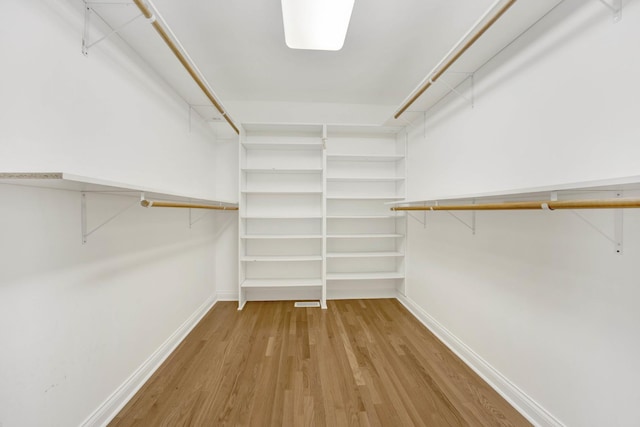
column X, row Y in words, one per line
column 304, row 304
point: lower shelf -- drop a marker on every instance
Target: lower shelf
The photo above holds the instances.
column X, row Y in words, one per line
column 280, row 283
column 280, row 258
column 364, row 254
column 366, row 276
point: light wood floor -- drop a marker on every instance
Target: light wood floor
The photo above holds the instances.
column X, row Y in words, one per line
column 358, row 363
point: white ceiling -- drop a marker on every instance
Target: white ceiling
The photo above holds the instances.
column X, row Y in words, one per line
column 390, row 47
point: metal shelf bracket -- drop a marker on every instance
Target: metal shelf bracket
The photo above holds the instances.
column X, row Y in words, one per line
column 615, row 6
column 471, row 77
column 471, row 226
column 83, row 212
column 618, row 228
column 88, row 10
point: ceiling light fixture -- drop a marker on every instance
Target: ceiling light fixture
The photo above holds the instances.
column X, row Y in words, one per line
column 316, row 24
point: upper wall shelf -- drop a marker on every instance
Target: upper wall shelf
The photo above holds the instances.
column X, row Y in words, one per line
column 66, row 181
column 360, row 158
column 574, row 188
column 294, row 146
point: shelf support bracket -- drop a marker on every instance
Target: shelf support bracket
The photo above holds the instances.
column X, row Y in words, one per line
column 86, row 42
column 471, row 226
column 470, row 76
column 615, row 6
column 618, row 228
column 86, row 233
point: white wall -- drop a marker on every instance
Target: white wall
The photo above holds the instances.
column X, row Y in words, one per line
column 76, row 321
column 540, row 296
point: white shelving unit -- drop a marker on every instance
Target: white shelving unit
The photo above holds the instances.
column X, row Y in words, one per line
column 281, row 214
column 314, row 220
column 365, row 242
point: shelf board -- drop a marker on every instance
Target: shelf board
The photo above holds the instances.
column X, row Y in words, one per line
column 282, row 193
column 631, row 183
column 280, row 258
column 280, row 283
column 282, row 217
column 276, row 170
column 366, row 158
column 364, row 254
column 365, row 276
column 294, row 146
column 363, row 179
column 363, row 236
column 399, row 214
column 363, row 198
column 281, row 236
column 70, row 182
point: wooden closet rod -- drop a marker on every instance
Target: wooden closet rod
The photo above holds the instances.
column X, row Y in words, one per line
column 185, row 62
column 163, row 204
column 438, row 73
column 549, row 205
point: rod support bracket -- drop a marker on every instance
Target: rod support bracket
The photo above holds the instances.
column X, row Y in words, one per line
column 615, row 6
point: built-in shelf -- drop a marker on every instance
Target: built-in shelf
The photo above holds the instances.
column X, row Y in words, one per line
column 282, row 193
column 366, row 158
column 364, row 254
column 628, row 183
column 281, row 236
column 280, row 258
column 365, row 276
column 363, row 179
column 280, row 283
column 358, row 197
column 363, row 236
column 283, row 146
column 283, row 170
column 283, row 217
column 66, row 181
column 397, row 214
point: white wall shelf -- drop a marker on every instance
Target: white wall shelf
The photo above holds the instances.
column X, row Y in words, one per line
column 364, row 158
column 280, row 258
column 384, row 275
column 281, row 283
column 283, row 170
column 365, row 236
column 258, row 217
column 281, row 236
column 364, row 254
column 283, row 146
column 282, row 193
column 398, row 214
column 364, row 179
column 359, row 197
column 85, row 185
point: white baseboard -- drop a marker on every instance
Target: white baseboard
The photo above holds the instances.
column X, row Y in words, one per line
column 227, row 295
column 524, row 404
column 114, row 403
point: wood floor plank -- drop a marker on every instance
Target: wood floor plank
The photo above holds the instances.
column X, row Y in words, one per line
column 358, row 363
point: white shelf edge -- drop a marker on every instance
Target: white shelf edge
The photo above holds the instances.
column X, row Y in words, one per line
column 281, row 193
column 282, row 146
column 366, row 157
column 281, row 236
column 282, row 217
column 365, row 276
column 399, row 214
column 66, row 181
column 363, row 179
column 362, row 198
column 280, row 283
column 365, row 236
column 611, row 184
column 286, row 171
column 365, row 254
column 281, row 258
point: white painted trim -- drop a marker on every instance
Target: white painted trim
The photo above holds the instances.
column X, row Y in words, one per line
column 524, row 404
column 114, row 403
column 227, row 295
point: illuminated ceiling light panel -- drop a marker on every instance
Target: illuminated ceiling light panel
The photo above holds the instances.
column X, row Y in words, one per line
column 316, row 24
